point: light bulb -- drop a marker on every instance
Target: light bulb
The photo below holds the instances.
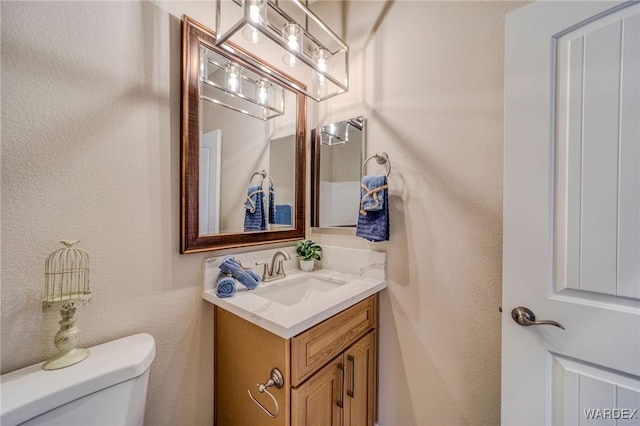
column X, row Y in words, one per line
column 262, row 88
column 293, row 42
column 256, row 15
column 293, row 36
column 321, row 57
column 233, row 73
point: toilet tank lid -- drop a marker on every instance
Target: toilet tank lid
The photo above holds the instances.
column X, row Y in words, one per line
column 31, row 391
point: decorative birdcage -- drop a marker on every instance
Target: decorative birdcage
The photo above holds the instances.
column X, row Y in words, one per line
column 66, row 287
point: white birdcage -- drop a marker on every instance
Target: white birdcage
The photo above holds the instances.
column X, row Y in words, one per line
column 66, row 286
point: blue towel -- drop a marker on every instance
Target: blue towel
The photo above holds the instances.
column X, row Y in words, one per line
column 374, row 224
column 226, row 286
column 372, row 192
column 283, row 214
column 246, row 276
column 254, row 218
column 272, row 205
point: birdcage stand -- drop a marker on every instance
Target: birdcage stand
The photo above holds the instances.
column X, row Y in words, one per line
column 67, row 338
column 66, row 287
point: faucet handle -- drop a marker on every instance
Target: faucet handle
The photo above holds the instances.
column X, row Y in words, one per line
column 266, row 272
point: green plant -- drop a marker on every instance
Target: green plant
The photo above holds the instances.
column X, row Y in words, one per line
column 308, row 250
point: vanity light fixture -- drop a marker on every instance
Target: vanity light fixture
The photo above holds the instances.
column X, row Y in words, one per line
column 314, row 56
column 226, row 83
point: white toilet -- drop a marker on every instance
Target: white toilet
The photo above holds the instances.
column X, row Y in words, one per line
column 107, row 388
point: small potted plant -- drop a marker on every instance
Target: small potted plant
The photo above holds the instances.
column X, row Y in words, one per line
column 308, row 252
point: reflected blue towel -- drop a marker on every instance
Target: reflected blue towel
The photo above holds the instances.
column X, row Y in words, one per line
column 373, row 224
column 272, row 205
column 283, row 214
column 254, row 218
column 226, row 286
column 246, row 276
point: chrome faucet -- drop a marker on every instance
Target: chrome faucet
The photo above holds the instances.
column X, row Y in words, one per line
column 277, row 266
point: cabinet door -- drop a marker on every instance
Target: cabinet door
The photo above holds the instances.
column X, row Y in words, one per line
column 360, row 382
column 318, row 401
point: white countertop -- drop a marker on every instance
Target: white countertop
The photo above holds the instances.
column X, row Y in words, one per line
column 288, row 321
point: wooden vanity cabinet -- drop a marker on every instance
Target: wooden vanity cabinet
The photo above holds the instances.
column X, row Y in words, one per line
column 330, row 370
column 341, row 393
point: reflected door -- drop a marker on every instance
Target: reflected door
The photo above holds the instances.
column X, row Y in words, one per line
column 210, row 182
column 572, row 214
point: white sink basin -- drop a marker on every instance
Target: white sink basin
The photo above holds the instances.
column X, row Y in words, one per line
column 299, row 289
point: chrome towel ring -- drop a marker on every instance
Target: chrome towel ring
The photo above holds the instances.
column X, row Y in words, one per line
column 262, row 173
column 381, row 158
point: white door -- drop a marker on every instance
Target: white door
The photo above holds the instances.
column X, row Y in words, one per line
column 572, row 214
column 209, row 183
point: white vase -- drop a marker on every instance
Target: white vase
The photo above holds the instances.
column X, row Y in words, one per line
column 307, row 265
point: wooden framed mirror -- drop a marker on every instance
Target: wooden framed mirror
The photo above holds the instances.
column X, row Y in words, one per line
column 242, row 152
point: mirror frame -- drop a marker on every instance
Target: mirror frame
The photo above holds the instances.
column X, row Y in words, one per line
column 195, row 34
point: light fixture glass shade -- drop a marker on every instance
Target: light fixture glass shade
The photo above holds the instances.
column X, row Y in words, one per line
column 256, row 10
column 321, row 57
column 306, row 48
column 233, row 77
column 334, row 134
column 226, row 83
column 293, row 35
column 263, row 89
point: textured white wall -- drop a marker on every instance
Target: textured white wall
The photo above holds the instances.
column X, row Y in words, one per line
column 429, row 79
column 90, row 150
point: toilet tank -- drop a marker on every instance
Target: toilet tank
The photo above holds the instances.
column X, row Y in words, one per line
column 107, row 388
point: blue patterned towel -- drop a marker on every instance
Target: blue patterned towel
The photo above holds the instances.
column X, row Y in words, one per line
column 254, row 217
column 226, row 286
column 373, row 191
column 373, row 219
column 246, row 276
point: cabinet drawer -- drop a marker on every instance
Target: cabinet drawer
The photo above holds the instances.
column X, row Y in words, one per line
column 317, row 346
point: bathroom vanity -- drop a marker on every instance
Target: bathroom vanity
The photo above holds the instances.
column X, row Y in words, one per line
column 318, row 329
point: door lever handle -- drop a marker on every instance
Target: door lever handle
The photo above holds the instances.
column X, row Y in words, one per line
column 524, row 316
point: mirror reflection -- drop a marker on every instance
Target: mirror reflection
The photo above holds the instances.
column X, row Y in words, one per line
column 242, row 148
column 337, row 157
column 247, row 149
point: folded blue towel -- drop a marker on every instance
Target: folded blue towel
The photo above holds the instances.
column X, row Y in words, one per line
column 246, row 276
column 226, row 286
column 283, row 214
column 254, row 218
column 374, row 224
column 272, row 205
column 372, row 190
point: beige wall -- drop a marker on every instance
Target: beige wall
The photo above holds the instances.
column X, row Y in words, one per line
column 430, row 82
column 90, row 150
column 90, row 131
